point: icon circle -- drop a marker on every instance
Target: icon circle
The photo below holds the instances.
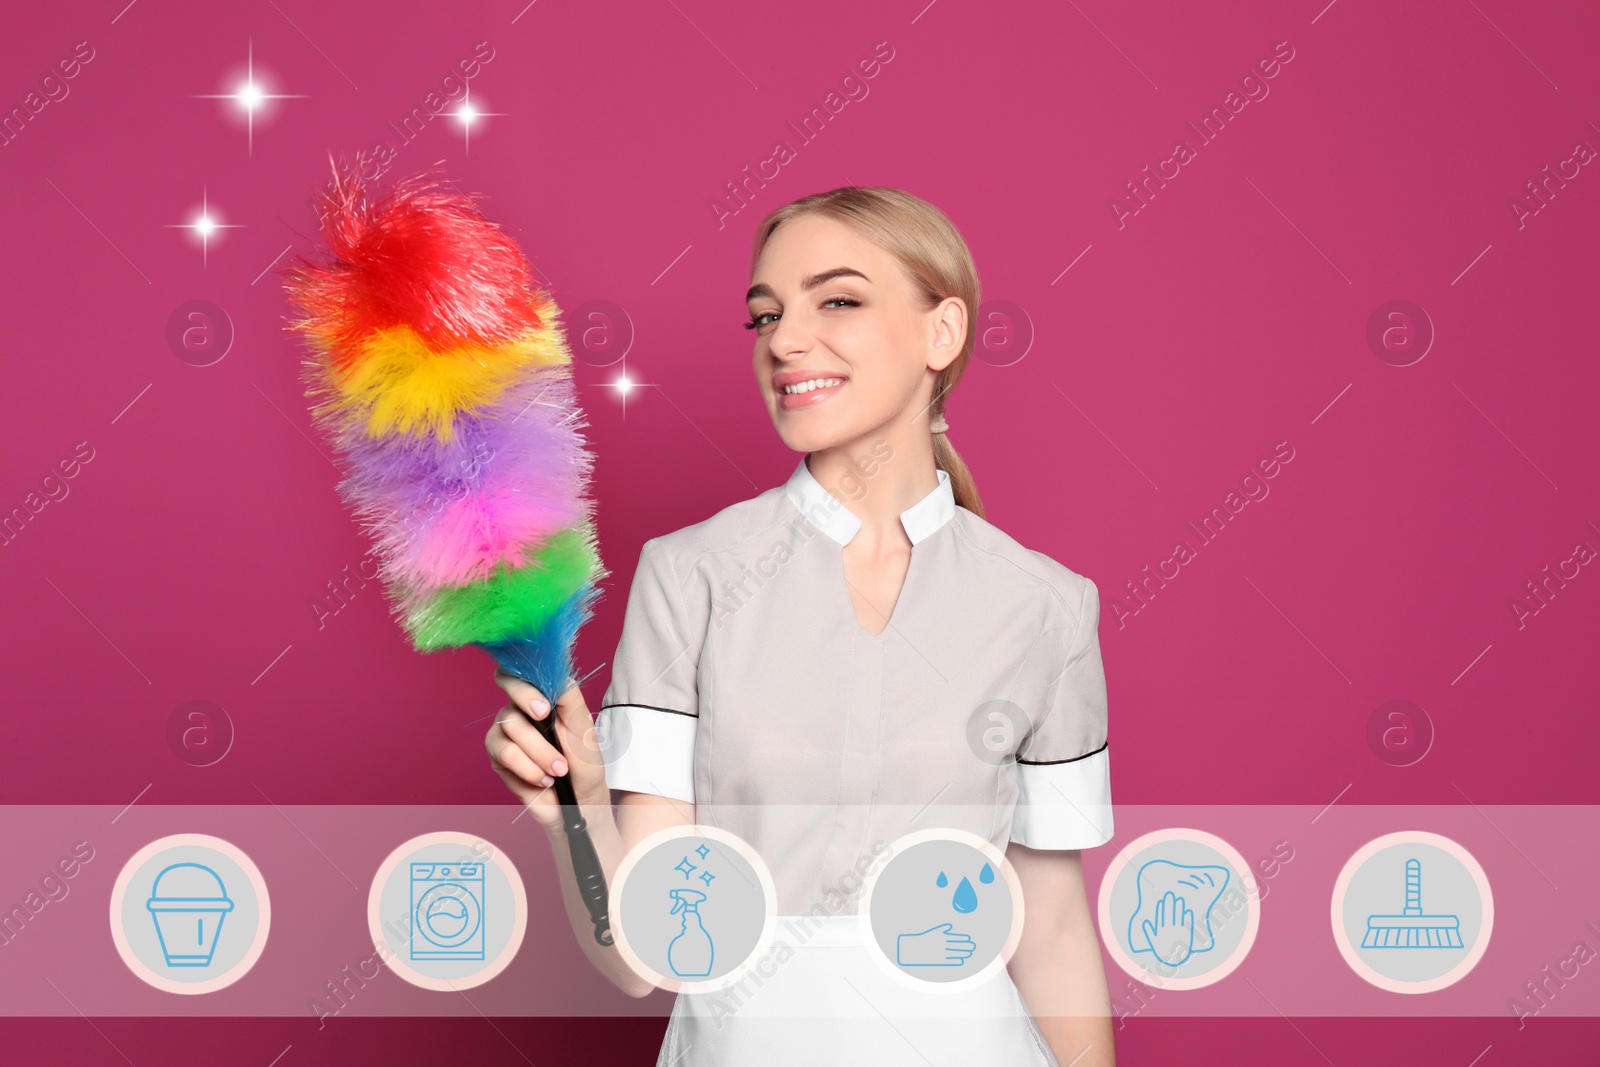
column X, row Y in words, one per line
column 920, row 911
column 447, row 911
column 190, row 913
column 1412, row 912
column 693, row 908
column 1173, row 882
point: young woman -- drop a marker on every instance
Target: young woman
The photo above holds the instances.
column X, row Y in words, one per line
column 813, row 664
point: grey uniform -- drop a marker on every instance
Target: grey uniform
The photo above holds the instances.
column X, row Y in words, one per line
column 749, row 688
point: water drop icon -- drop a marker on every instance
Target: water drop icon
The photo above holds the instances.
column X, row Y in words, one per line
column 941, row 881
column 986, row 875
column 965, row 898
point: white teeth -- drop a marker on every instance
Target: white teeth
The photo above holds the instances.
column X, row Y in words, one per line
column 814, row 383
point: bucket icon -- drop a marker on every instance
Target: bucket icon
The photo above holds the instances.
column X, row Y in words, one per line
column 188, row 903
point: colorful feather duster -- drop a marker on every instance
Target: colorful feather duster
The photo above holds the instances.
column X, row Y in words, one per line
column 441, row 376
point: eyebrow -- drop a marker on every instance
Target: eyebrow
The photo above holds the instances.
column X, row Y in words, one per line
column 807, row 284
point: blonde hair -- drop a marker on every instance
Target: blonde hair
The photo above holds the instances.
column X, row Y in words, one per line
column 937, row 260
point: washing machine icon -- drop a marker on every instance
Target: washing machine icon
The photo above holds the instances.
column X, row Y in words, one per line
column 447, row 911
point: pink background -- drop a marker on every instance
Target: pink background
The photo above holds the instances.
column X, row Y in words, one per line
column 1228, row 315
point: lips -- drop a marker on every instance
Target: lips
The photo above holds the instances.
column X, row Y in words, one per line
column 796, row 376
column 811, row 390
column 802, row 387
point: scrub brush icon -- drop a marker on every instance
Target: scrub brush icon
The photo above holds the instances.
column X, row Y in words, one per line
column 1411, row 928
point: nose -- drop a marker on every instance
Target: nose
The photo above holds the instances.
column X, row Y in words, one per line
column 789, row 339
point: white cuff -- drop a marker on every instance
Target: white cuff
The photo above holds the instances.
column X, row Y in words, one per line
column 648, row 750
column 1064, row 805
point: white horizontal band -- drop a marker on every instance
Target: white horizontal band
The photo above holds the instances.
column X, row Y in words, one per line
column 1064, row 805
column 648, row 750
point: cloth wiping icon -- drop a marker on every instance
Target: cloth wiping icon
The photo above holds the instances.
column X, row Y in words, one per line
column 1173, row 917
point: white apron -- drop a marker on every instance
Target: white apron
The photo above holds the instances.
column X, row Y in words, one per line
column 832, row 1004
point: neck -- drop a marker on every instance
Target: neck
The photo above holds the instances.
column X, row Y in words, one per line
column 877, row 481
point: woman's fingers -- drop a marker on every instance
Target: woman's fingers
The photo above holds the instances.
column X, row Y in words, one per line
column 525, row 791
column 581, row 742
column 575, row 729
column 508, row 757
column 524, row 738
column 574, row 723
column 535, row 800
column 523, row 694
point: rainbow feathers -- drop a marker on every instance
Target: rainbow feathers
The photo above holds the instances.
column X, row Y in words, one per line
column 442, row 377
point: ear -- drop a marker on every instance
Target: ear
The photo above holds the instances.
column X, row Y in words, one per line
column 949, row 322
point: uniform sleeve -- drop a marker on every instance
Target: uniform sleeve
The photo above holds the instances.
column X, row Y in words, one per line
column 1063, row 765
column 650, row 713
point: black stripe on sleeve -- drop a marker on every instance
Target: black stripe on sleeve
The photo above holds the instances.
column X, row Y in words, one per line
column 652, row 707
column 1070, row 759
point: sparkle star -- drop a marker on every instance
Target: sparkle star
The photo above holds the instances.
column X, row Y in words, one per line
column 466, row 114
column 706, row 876
column 685, row 866
column 625, row 386
column 251, row 97
column 703, row 850
column 203, row 225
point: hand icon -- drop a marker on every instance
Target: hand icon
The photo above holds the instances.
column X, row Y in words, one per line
column 936, row 946
column 1171, row 937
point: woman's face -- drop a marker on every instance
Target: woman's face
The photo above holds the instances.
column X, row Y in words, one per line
column 831, row 307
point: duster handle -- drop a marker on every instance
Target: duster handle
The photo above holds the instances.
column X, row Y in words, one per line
column 591, row 877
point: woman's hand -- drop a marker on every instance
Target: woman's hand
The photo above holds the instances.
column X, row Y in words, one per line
column 529, row 765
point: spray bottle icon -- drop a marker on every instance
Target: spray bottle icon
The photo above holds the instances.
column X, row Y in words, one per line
column 689, row 954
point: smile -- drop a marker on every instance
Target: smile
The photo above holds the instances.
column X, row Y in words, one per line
column 809, row 393
column 814, row 383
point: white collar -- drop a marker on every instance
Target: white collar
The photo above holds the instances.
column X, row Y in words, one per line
column 838, row 522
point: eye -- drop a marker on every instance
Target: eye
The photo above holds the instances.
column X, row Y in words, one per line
column 758, row 321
